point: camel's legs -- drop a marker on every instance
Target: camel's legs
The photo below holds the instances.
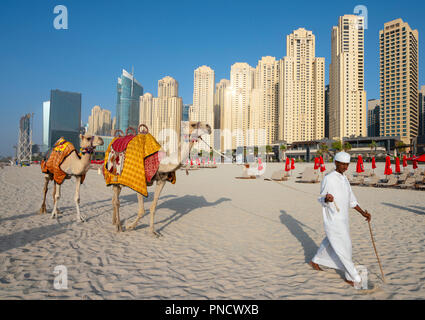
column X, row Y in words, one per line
column 54, row 197
column 46, row 185
column 159, row 185
column 57, row 195
column 80, row 217
column 141, row 212
column 116, row 205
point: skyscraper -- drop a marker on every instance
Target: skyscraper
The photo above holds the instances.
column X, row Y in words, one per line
column 241, row 85
column 422, row 111
column 220, row 111
column 129, row 91
column 373, row 118
column 64, row 117
column 163, row 115
column 100, row 122
column 327, row 111
column 399, row 80
column 46, row 126
column 347, row 109
column 301, row 90
column 263, row 116
column 168, row 87
column 203, row 102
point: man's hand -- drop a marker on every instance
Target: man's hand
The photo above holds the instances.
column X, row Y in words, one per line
column 329, row 198
column 367, row 215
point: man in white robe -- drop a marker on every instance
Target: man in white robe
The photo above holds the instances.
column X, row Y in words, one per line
column 336, row 199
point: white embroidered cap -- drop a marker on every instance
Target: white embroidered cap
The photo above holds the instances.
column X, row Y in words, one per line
column 343, row 157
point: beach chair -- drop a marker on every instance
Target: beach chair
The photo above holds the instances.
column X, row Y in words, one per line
column 410, row 183
column 373, row 181
column 366, row 173
column 357, row 181
column 420, row 185
column 309, row 177
column 279, row 175
column 245, row 174
column 402, row 178
column 392, row 182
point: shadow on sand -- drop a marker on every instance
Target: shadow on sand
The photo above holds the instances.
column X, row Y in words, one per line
column 407, row 208
column 21, row 238
column 296, row 229
column 181, row 207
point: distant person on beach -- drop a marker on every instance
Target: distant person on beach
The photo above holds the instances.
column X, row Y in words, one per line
column 336, row 198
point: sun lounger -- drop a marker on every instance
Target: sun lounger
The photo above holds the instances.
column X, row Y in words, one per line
column 402, row 178
column 366, row 173
column 410, row 183
column 245, row 174
column 420, row 185
column 392, row 182
column 309, row 177
column 373, row 181
column 279, row 175
column 357, row 181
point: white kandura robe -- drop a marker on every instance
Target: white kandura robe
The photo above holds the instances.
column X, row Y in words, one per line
column 335, row 250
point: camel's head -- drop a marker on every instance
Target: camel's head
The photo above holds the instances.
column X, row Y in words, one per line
column 197, row 129
column 89, row 143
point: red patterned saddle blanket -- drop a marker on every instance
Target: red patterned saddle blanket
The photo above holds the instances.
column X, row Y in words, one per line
column 116, row 158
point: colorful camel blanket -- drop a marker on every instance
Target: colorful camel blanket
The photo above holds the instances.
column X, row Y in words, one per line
column 131, row 161
column 61, row 150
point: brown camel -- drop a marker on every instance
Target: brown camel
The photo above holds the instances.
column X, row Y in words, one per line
column 166, row 169
column 73, row 165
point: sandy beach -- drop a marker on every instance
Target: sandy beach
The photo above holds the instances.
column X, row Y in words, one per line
column 222, row 238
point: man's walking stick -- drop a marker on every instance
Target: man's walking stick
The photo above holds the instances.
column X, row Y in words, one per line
column 374, row 247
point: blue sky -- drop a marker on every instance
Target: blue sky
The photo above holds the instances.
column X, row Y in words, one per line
column 160, row 38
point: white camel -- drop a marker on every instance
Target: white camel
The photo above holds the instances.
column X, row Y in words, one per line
column 76, row 166
column 165, row 169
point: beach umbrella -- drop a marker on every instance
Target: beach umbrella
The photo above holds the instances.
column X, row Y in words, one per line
column 292, row 164
column 359, row 168
column 287, row 165
column 260, row 164
column 397, row 165
column 388, row 169
column 415, row 164
column 404, row 161
column 419, row 159
column 322, row 165
column 316, row 163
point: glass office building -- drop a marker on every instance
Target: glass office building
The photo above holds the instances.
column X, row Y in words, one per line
column 128, row 100
column 64, row 117
column 46, row 124
column 185, row 115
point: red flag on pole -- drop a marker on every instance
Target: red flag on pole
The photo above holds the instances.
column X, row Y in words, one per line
column 292, row 164
column 373, row 163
